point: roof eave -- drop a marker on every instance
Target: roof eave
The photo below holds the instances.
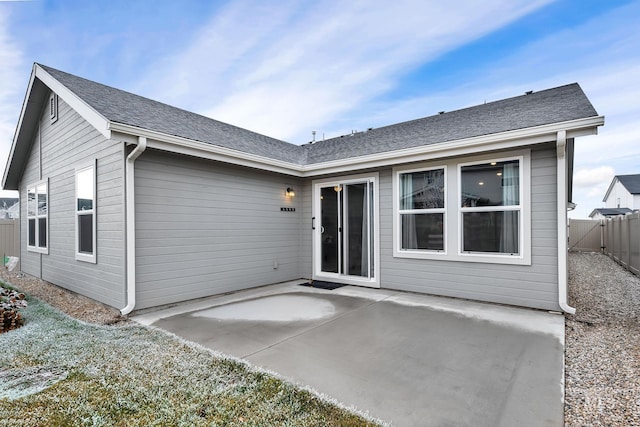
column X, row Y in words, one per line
column 496, row 141
column 503, row 140
column 613, row 182
column 29, row 118
column 97, row 120
column 9, row 181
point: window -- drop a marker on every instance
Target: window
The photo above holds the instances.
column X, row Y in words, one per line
column 491, row 207
column 85, row 214
column 422, row 210
column 486, row 219
column 37, row 217
column 53, row 107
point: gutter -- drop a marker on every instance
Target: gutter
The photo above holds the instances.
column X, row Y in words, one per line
column 561, row 150
column 130, row 208
column 496, row 141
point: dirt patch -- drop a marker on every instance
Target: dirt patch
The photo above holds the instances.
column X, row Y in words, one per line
column 71, row 303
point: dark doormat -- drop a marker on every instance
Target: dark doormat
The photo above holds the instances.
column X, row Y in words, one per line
column 329, row 286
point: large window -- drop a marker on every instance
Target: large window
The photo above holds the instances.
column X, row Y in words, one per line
column 37, row 217
column 422, row 210
column 476, row 209
column 490, row 207
column 86, row 214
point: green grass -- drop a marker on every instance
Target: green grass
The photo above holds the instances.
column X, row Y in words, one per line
column 57, row 371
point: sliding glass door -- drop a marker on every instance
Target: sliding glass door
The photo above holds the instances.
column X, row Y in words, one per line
column 345, row 234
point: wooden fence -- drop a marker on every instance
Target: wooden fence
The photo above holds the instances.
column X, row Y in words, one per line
column 9, row 239
column 618, row 237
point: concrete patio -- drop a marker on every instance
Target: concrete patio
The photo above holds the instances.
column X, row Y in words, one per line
column 406, row 358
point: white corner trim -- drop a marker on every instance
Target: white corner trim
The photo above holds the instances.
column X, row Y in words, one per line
column 561, row 143
column 130, row 213
column 87, row 112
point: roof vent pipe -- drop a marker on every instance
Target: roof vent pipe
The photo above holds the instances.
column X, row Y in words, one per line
column 313, row 136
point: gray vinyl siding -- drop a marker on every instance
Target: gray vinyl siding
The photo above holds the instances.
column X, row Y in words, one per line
column 70, row 143
column 205, row 228
column 533, row 286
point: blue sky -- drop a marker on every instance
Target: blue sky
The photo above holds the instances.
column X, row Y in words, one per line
column 289, row 67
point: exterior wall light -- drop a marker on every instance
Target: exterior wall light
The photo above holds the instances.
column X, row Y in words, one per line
column 290, row 192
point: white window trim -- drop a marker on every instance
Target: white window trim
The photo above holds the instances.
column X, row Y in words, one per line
column 53, row 107
column 38, row 248
column 453, row 222
column 91, row 258
column 398, row 251
column 524, row 240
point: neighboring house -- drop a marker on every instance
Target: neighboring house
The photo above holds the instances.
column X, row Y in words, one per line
column 623, row 192
column 137, row 204
column 604, row 213
column 9, row 208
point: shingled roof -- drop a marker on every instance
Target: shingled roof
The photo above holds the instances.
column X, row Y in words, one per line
column 127, row 108
column 630, row 182
column 555, row 105
column 609, row 212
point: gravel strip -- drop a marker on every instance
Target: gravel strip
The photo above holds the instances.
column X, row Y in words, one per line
column 602, row 353
column 75, row 305
column 602, row 344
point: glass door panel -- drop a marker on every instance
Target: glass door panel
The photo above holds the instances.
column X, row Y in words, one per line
column 356, row 236
column 347, row 229
column 330, row 230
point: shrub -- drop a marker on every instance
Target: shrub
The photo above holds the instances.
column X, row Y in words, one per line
column 10, row 302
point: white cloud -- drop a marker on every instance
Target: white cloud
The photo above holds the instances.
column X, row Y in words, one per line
column 288, row 69
column 586, row 177
column 10, row 94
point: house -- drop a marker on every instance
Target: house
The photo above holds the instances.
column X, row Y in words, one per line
column 9, row 208
column 623, row 192
column 139, row 204
column 604, row 213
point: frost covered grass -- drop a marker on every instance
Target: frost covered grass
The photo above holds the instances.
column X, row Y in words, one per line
column 56, row 370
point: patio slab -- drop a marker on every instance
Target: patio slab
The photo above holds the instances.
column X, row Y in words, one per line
column 405, row 358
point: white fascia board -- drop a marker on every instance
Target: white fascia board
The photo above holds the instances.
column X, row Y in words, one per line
column 496, row 141
column 176, row 144
column 87, row 112
column 19, row 126
column 613, row 182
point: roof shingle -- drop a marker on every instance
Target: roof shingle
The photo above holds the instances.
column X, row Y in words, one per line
column 555, row 105
column 630, row 182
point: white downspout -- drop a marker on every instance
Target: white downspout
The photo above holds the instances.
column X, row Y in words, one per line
column 131, row 225
column 561, row 149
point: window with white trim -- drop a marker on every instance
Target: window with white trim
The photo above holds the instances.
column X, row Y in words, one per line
column 476, row 209
column 38, row 217
column 86, row 214
column 491, row 207
column 421, row 209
